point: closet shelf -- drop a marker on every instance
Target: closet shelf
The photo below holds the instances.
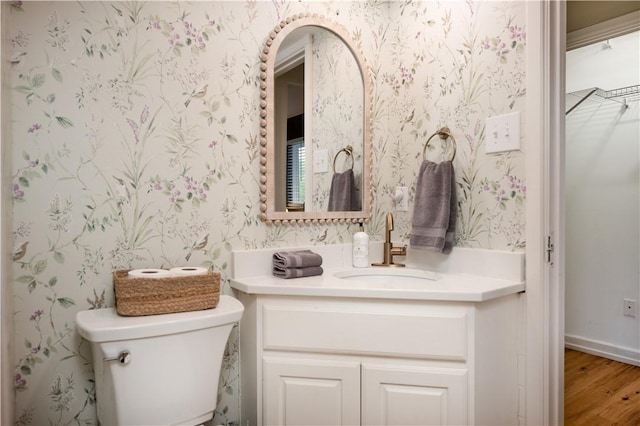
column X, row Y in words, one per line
column 631, row 91
column 621, row 95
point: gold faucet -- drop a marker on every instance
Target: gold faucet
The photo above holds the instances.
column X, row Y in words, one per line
column 389, row 249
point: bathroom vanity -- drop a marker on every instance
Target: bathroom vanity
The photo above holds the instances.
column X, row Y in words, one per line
column 380, row 345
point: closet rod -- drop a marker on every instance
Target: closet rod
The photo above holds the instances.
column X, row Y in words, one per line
column 581, row 101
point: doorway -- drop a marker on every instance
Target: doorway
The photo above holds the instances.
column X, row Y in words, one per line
column 602, row 197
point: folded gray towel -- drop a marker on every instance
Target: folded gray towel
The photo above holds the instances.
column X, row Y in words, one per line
column 296, row 259
column 435, row 208
column 343, row 195
column 297, row 272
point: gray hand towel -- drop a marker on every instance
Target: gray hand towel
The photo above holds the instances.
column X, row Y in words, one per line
column 296, row 259
column 297, row 272
column 343, row 195
column 435, row 208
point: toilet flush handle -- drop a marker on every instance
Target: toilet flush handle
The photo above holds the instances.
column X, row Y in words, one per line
column 123, row 357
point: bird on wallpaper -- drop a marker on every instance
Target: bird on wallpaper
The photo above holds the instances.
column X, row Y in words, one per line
column 407, row 119
column 121, row 190
column 323, row 236
column 196, row 93
column 198, row 245
column 17, row 58
column 20, row 252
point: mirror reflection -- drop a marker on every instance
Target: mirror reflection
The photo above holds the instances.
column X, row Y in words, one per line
column 315, row 125
column 319, row 101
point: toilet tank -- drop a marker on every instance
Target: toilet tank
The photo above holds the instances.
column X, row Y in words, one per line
column 171, row 374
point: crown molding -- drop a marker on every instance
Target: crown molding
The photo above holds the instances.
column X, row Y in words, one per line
column 615, row 27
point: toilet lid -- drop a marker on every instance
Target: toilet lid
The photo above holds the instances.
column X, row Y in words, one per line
column 105, row 325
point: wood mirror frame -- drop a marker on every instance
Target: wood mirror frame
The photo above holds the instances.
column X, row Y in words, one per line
column 268, row 213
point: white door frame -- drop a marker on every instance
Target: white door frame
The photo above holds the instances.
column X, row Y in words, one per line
column 545, row 214
column 544, row 126
column 6, row 295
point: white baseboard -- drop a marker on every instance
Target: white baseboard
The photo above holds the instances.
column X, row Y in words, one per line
column 603, row 349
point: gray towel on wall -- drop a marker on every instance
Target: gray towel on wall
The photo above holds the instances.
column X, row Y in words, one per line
column 435, row 208
column 343, row 196
column 296, row 259
column 297, row 272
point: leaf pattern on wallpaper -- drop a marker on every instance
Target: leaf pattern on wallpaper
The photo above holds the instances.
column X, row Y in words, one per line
column 451, row 66
column 136, row 142
column 337, row 111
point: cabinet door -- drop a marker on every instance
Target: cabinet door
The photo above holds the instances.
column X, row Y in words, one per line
column 397, row 395
column 304, row 392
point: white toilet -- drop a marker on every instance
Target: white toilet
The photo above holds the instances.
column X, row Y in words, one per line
column 158, row 369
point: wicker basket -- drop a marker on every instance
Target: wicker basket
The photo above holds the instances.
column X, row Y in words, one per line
column 153, row 296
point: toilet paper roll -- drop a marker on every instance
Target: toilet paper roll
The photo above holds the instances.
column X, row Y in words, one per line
column 188, row 270
column 149, row 273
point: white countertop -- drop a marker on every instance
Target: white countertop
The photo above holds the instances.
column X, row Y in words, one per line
column 460, row 287
column 469, row 275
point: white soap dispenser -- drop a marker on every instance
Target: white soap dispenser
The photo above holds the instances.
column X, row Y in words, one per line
column 361, row 248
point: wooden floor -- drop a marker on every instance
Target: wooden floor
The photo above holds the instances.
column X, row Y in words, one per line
column 599, row 391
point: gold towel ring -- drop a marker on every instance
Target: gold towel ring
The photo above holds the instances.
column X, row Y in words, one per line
column 444, row 133
column 349, row 151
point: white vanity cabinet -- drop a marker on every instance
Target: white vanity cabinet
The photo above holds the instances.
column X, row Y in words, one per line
column 310, row 391
column 348, row 361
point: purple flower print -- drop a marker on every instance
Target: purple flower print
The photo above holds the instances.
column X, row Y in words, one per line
column 192, row 35
column 191, row 189
column 406, row 75
column 144, row 115
column 134, row 128
column 508, row 188
column 19, row 382
column 194, row 189
column 184, row 33
column 175, row 196
column 18, row 193
column 34, row 127
column 36, row 315
column 154, row 22
column 516, row 185
column 517, row 33
column 498, row 46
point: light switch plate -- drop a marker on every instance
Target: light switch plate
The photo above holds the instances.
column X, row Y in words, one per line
column 502, row 133
column 321, row 161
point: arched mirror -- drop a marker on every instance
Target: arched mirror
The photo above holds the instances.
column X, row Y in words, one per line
column 315, row 127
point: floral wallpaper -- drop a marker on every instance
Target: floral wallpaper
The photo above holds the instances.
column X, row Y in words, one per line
column 135, row 140
column 338, row 111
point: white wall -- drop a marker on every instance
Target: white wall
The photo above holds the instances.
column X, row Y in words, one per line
column 603, row 201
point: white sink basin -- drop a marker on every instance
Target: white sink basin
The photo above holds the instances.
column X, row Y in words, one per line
column 388, row 275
